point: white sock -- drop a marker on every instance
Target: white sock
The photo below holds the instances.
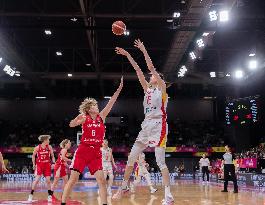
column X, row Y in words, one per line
column 124, row 184
column 167, row 192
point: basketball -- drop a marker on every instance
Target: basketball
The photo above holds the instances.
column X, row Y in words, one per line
column 118, row 28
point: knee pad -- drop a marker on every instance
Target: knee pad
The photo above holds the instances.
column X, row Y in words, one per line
column 162, row 165
column 160, row 158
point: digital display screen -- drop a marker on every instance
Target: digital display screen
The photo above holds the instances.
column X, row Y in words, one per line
column 243, row 111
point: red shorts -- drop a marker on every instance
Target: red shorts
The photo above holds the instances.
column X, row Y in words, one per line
column 43, row 169
column 89, row 156
column 61, row 169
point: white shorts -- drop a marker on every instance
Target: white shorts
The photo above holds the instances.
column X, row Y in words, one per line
column 154, row 133
column 107, row 168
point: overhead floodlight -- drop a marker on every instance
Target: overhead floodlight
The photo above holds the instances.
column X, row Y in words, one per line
column 59, row 53
column 192, row 55
column 253, row 64
column 48, row 32
column 74, row 19
column 200, row 43
column 228, row 75
column 88, row 64
column 205, row 34
column 9, row 71
column 17, row 73
column 224, row 16
column 251, row 54
column 70, row 75
column 40, row 97
column 107, row 97
column 213, row 15
column 169, row 20
column 212, row 74
column 239, row 74
column 176, row 14
column 182, row 71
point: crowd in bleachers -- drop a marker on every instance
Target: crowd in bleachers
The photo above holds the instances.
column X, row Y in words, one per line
column 197, row 133
column 24, row 133
column 255, row 152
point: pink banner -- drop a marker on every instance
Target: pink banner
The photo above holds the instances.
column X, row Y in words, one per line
column 187, row 149
column 10, row 149
column 247, row 163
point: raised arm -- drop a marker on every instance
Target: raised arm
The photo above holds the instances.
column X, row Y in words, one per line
column 2, row 163
column 52, row 154
column 161, row 83
column 104, row 113
column 80, row 119
column 139, row 72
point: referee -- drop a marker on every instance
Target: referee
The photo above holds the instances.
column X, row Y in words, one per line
column 204, row 166
column 229, row 170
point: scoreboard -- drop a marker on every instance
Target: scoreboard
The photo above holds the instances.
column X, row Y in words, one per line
column 243, row 111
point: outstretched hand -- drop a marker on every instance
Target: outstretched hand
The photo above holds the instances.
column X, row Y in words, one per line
column 139, row 44
column 121, row 51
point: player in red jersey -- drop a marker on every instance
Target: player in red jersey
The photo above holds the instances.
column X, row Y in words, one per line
column 60, row 168
column 42, row 165
column 2, row 164
column 88, row 152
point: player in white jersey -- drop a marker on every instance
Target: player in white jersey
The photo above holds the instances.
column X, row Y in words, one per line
column 154, row 126
column 141, row 171
column 107, row 163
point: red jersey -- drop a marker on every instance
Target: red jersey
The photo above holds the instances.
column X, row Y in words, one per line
column 60, row 160
column 93, row 131
column 43, row 154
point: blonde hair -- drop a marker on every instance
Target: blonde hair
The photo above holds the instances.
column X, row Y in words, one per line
column 64, row 142
column 42, row 138
column 86, row 105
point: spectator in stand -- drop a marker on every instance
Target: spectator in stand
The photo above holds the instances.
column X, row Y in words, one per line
column 25, row 170
column 2, row 164
column 204, row 167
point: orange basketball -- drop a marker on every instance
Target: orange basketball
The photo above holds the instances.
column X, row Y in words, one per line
column 118, row 28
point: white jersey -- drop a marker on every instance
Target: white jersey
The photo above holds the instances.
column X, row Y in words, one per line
column 106, row 156
column 155, row 104
column 204, row 162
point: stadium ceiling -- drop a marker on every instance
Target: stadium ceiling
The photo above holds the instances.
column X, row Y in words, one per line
column 81, row 31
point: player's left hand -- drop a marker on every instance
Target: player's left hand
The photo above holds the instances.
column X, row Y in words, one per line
column 139, row 44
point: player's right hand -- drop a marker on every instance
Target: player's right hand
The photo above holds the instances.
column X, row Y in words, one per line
column 121, row 51
column 34, row 166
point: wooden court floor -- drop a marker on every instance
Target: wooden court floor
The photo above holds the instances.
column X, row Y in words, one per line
column 185, row 193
